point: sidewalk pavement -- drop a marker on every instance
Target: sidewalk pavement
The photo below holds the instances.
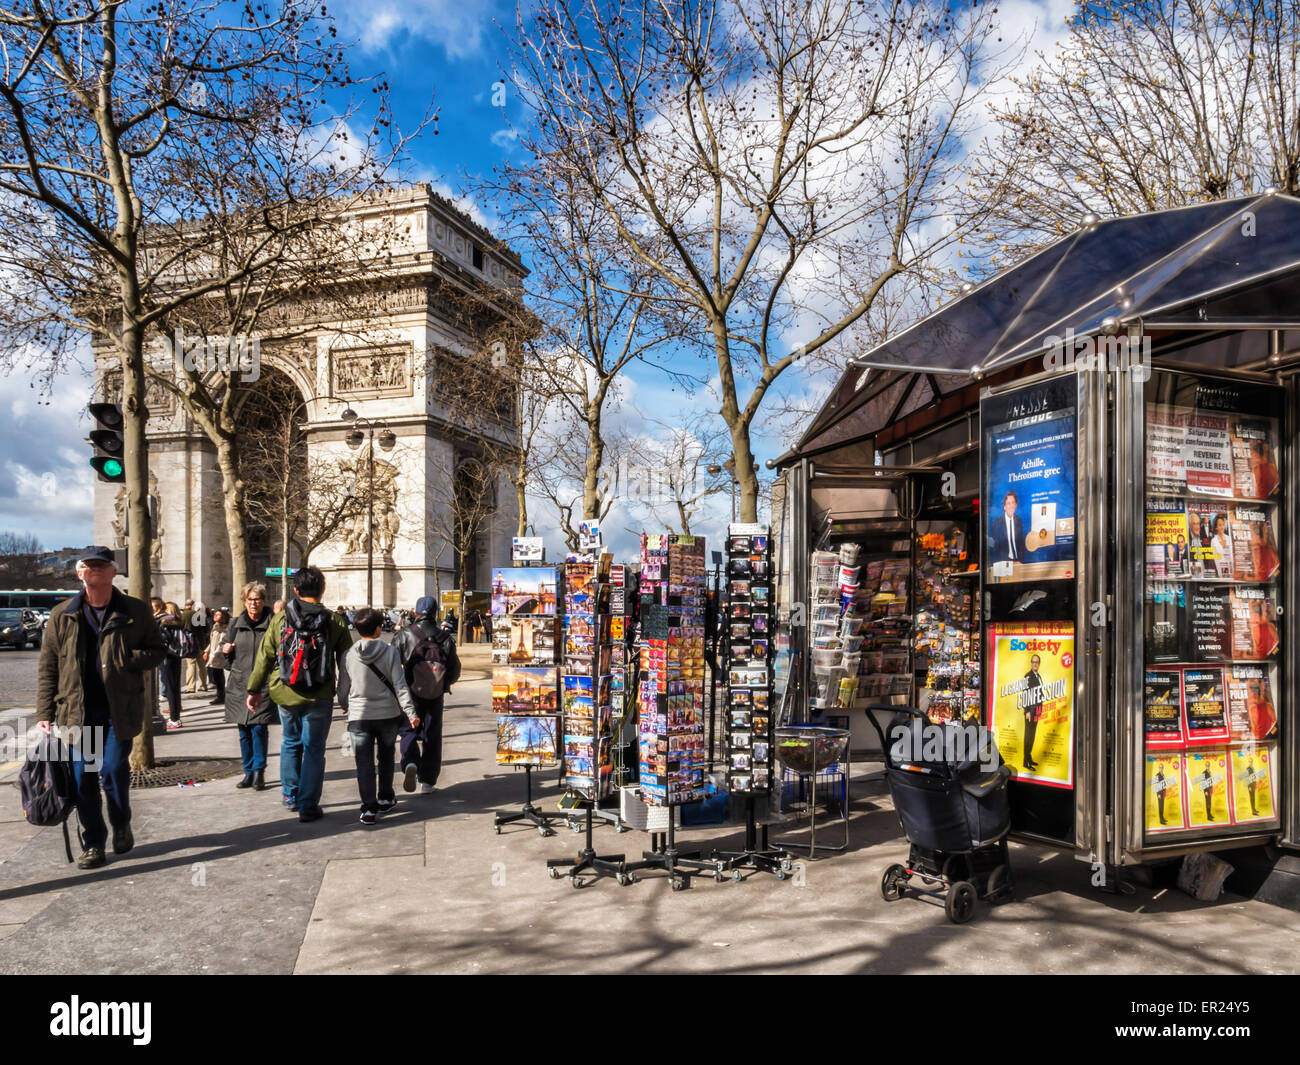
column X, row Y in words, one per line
column 227, row 881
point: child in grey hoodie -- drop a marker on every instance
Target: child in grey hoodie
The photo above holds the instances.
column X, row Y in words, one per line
column 373, row 691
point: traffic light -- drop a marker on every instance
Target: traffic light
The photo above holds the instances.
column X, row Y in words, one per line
column 108, row 441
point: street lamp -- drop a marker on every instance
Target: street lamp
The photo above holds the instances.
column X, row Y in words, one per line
column 387, row 440
column 730, row 467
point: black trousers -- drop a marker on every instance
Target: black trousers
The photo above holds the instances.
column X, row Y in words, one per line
column 1031, row 729
column 371, row 739
column 217, row 677
column 423, row 746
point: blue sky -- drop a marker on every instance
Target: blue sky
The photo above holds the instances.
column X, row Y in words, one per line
column 447, row 52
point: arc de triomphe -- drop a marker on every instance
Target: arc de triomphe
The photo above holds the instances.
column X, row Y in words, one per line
column 387, row 373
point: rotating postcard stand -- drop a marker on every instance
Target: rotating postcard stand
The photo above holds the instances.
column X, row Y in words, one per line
column 587, row 715
column 525, row 693
column 747, row 663
column 670, row 723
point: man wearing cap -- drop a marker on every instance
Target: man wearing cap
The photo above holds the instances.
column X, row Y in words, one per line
column 421, row 746
column 98, row 649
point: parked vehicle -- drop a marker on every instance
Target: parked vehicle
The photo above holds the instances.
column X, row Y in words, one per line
column 19, row 628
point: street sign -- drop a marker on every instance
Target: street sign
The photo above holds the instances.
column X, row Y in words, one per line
column 276, row 571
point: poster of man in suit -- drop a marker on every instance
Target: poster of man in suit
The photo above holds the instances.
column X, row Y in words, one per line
column 1031, row 709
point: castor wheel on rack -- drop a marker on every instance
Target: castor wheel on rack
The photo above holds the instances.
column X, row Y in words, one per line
column 553, row 873
column 891, row 884
column 620, row 828
column 576, row 881
column 779, row 874
column 735, row 875
column 626, row 878
column 543, row 831
column 718, row 877
column 681, row 883
column 785, row 865
column 960, row 903
column 574, row 826
column 498, row 828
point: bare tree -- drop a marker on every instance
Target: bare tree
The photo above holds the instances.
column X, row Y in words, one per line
column 774, row 164
column 1149, row 106
column 106, row 112
column 671, row 474
column 19, row 554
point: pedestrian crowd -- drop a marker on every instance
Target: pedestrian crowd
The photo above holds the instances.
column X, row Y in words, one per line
column 288, row 664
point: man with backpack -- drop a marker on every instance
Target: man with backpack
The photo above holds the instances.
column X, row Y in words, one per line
column 99, row 646
column 301, row 657
column 432, row 666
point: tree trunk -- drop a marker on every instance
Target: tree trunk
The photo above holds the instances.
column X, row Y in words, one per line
column 595, row 457
column 745, row 476
column 284, row 559
column 232, row 503
column 140, row 531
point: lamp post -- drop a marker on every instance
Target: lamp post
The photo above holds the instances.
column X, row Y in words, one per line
column 387, row 440
column 730, row 467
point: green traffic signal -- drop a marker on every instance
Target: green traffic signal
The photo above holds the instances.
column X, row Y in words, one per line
column 109, row 469
column 108, row 442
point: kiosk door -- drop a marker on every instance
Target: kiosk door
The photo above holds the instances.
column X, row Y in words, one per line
column 1201, row 725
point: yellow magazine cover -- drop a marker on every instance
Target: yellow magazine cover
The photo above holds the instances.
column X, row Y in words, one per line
column 1207, row 780
column 1166, row 804
column 1032, row 700
column 1253, row 783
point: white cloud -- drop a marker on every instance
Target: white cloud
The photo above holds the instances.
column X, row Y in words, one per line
column 505, row 138
column 458, row 28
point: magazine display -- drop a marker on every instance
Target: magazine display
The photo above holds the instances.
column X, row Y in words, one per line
column 1213, row 582
column 588, row 687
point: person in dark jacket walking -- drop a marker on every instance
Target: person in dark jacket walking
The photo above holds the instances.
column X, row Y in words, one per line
column 240, row 647
column 98, row 647
column 169, row 622
column 421, row 746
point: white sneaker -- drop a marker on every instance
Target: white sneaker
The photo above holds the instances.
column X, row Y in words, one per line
column 426, row 789
column 409, row 777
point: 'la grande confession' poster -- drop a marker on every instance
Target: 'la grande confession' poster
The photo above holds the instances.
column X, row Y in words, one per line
column 1031, row 702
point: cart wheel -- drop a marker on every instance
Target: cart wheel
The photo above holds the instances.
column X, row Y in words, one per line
column 498, row 829
column 779, row 874
column 735, row 875
column 553, row 873
column 891, row 884
column 960, row 903
column 1000, row 888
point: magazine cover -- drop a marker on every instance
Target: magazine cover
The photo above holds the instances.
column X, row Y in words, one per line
column 1254, row 783
column 1251, row 712
column 1209, row 540
column 1207, row 779
column 1166, row 806
column 1166, row 437
column 1207, row 455
column 1254, row 456
column 1162, row 708
column 1031, row 710
column 1205, row 710
column 1254, row 549
column 1166, row 622
column 1254, row 623
column 1168, row 553
column 1210, row 627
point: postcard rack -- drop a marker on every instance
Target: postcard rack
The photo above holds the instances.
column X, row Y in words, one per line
column 525, row 691
column 670, row 723
column 587, row 713
column 747, row 667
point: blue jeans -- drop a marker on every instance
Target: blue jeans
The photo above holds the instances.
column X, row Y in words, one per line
column 252, row 746
column 305, row 730
column 115, row 775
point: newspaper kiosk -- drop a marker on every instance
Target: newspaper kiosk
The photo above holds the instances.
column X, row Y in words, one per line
column 1112, row 426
